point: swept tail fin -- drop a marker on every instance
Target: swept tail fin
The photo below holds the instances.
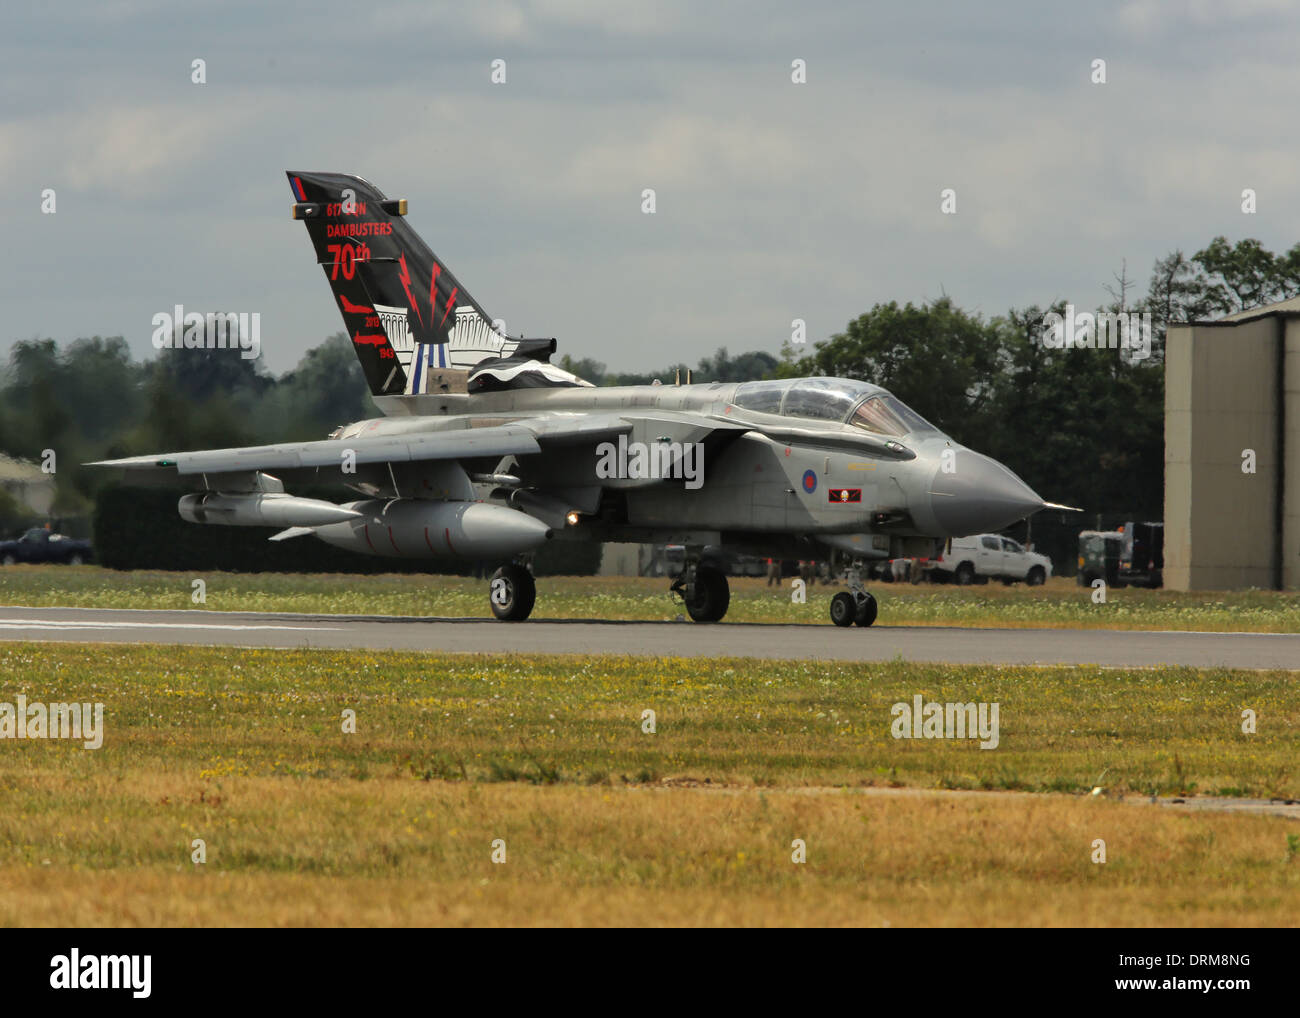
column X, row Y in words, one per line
column 414, row 328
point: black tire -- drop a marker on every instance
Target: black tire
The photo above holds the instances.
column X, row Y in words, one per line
column 76, row 559
column 8, row 560
column 965, row 575
column 1037, row 577
column 866, row 612
column 710, row 597
column 511, row 593
column 844, row 609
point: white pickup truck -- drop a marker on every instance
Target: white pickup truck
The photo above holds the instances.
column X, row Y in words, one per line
column 989, row 556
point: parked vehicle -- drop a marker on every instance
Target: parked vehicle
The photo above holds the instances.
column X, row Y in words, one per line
column 1099, row 554
column 41, row 545
column 1142, row 559
column 983, row 557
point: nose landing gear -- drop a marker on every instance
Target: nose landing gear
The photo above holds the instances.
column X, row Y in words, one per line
column 856, row 606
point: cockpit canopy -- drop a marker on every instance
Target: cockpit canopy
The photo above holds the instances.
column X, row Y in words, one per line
column 845, row 400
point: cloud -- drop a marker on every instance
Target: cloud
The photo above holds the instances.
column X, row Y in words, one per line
column 1151, row 15
column 822, row 198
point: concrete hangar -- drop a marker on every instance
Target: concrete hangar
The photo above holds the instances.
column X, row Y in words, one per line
column 1232, row 451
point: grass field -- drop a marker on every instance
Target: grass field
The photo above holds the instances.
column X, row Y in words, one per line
column 605, row 824
column 1057, row 604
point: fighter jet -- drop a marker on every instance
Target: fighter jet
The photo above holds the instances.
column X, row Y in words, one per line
column 487, row 451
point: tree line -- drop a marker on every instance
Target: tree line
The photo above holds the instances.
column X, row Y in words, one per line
column 1083, row 427
column 90, row 400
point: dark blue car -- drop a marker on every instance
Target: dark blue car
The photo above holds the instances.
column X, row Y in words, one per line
column 41, row 545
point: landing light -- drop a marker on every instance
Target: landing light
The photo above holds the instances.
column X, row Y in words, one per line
column 573, row 517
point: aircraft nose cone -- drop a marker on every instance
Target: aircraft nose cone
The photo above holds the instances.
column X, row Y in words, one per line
column 979, row 495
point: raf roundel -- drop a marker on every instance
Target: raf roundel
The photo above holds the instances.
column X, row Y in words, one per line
column 809, row 481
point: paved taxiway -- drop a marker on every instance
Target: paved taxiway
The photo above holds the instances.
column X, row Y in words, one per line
column 539, row 636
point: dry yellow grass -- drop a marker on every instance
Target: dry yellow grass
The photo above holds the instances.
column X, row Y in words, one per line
column 394, row 852
column 606, row 825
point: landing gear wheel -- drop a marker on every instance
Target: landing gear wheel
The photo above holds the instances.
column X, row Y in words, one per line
column 710, row 596
column 844, row 610
column 866, row 611
column 854, row 606
column 511, row 593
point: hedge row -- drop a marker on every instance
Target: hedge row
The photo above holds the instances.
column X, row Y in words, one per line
column 139, row 528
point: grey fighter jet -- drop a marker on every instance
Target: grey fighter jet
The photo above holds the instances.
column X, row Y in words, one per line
column 487, row 450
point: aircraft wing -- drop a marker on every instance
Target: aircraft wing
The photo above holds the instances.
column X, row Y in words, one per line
column 505, row 440
column 518, row 438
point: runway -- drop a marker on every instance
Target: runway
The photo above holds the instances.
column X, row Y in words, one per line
column 1121, row 648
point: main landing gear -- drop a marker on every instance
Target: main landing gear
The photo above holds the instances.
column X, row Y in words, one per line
column 856, row 605
column 704, row 589
column 512, row 593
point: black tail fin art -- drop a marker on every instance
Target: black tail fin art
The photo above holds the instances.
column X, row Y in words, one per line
column 415, row 329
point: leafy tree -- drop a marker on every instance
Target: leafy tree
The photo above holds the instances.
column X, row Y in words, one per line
column 742, row 368
column 588, row 370
column 720, row 367
column 326, row 389
column 1247, row 275
column 14, row 516
column 1179, row 292
column 1083, row 427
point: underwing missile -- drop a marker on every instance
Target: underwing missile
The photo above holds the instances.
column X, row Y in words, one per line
column 257, row 509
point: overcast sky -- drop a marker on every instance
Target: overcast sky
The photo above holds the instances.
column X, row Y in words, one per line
column 775, row 200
